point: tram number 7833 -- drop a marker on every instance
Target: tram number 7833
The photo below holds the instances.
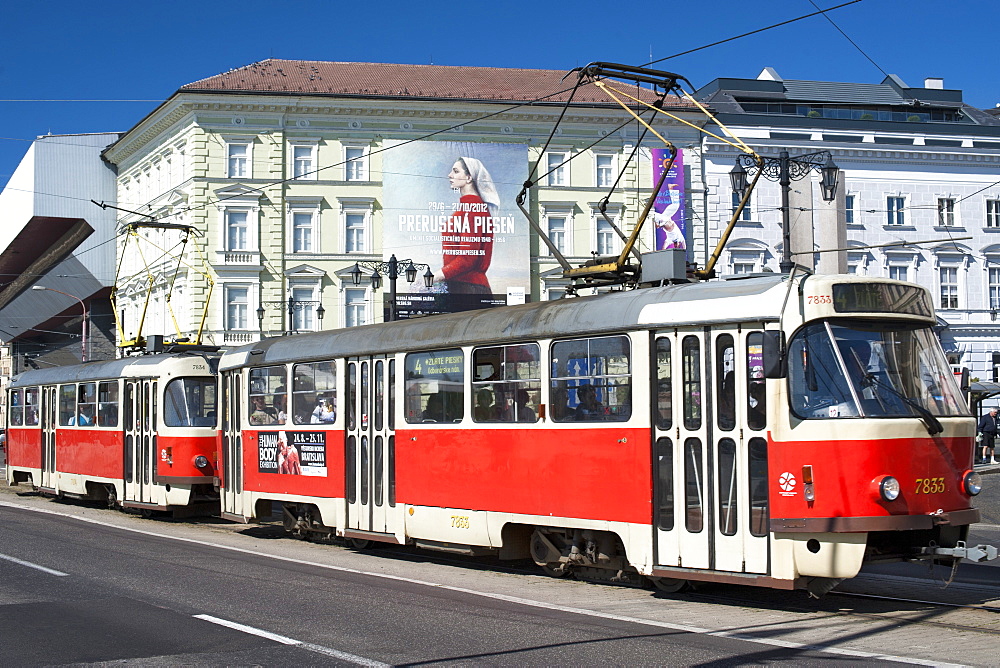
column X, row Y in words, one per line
column 930, row 485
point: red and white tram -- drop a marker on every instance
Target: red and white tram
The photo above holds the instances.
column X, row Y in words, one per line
column 140, row 432
column 769, row 431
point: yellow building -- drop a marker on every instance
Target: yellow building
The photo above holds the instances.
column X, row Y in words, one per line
column 287, row 174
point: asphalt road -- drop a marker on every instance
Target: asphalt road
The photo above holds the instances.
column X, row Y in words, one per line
column 73, row 591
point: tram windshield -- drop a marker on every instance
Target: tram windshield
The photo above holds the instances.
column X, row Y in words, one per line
column 865, row 369
column 190, row 402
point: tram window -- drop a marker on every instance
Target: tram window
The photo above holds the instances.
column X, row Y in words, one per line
column 756, row 400
column 392, row 399
column 691, row 379
column 352, row 394
column 87, row 404
column 727, row 487
column 16, row 400
column 506, row 383
column 664, row 389
column 725, row 365
column 434, row 386
column 314, row 393
column 349, row 467
column 392, row 469
column 31, row 406
column 665, row 483
column 378, row 468
column 757, row 449
column 268, row 400
column 107, row 404
column 379, row 396
column 694, row 486
column 190, row 402
column 591, row 379
column 365, row 393
column 67, row 404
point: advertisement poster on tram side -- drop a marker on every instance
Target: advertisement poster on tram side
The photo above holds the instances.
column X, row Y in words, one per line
column 668, row 209
column 292, row 452
column 451, row 205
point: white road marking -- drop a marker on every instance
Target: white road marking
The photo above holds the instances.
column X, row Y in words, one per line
column 35, row 566
column 736, row 635
column 285, row 640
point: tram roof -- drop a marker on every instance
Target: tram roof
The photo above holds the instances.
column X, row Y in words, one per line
column 99, row 370
column 606, row 313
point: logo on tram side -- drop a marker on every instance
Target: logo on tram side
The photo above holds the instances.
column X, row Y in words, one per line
column 786, row 481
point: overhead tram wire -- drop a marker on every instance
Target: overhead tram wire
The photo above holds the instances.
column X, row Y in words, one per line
column 752, row 32
column 853, row 43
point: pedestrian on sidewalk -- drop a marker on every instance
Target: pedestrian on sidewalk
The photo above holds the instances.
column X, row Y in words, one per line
column 987, row 436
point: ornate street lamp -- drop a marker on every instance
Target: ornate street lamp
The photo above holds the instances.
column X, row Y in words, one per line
column 393, row 269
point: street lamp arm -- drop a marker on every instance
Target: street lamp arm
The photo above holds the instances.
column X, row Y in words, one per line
column 83, row 335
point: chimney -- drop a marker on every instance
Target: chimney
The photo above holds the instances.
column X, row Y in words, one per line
column 934, row 82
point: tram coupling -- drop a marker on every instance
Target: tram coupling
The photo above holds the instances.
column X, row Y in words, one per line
column 962, row 551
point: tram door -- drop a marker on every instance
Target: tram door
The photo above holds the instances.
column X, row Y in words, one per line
column 140, row 439
column 683, row 502
column 370, row 444
column 49, row 416
column 232, row 445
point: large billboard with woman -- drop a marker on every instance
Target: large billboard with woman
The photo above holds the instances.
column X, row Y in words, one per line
column 451, row 205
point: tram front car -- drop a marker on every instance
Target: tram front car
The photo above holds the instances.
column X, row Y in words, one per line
column 872, row 461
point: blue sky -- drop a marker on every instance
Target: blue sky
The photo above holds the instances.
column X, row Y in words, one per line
column 102, row 66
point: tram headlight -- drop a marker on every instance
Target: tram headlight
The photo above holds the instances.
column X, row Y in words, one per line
column 973, row 483
column 888, row 488
column 201, row 461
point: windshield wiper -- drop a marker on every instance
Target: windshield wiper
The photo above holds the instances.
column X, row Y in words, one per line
column 932, row 424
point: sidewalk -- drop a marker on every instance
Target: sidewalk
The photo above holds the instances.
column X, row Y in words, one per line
column 987, row 469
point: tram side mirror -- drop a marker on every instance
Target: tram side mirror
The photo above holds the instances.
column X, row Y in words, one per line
column 773, row 354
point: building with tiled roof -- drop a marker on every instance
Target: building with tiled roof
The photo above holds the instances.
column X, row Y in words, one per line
column 289, row 173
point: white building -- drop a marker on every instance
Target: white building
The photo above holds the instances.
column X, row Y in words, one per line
column 918, row 199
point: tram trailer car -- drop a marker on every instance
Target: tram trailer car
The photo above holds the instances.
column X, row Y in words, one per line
column 138, row 432
column 766, row 431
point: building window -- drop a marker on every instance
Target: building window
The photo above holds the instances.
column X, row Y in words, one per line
column 946, row 212
column 994, row 288
column 898, row 272
column 993, row 213
column 557, row 227
column 894, row 207
column 354, row 225
column 557, row 169
column 238, row 160
column 237, row 306
column 355, row 307
column 949, row 287
column 237, row 230
column 849, row 209
column 304, row 313
column 355, row 164
column 605, row 238
column 745, row 214
column 304, row 232
column 304, row 161
column 605, row 165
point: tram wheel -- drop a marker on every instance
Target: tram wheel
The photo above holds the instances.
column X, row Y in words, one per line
column 669, row 585
column 112, row 497
column 360, row 543
column 557, row 571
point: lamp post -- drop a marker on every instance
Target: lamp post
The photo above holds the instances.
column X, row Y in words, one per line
column 784, row 170
column 392, row 269
column 83, row 334
column 292, row 304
